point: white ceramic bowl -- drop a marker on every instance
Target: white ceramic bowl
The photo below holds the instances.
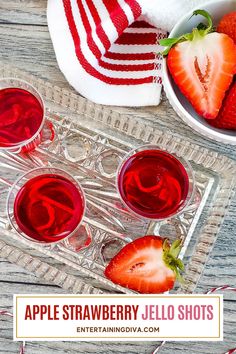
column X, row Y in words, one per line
column 183, row 108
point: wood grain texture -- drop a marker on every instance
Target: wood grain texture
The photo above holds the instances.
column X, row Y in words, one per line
column 23, row 12
column 25, row 43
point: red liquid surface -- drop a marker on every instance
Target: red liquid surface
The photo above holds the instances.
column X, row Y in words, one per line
column 153, row 183
column 21, row 115
column 48, row 208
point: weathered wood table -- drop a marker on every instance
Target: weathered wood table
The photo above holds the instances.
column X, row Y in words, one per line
column 25, row 43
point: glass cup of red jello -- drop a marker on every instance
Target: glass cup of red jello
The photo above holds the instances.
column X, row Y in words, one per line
column 155, row 184
column 46, row 205
column 22, row 115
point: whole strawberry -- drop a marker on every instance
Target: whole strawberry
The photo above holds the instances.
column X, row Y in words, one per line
column 147, row 265
column 227, row 115
column 202, row 64
column 227, row 25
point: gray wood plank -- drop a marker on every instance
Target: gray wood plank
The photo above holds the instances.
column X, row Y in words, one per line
column 23, row 12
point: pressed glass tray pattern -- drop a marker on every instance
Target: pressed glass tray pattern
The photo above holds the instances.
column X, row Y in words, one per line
column 89, row 143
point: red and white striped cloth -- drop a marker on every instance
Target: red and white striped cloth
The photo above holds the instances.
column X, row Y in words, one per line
column 108, row 49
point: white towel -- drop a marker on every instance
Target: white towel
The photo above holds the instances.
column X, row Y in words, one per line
column 108, row 49
column 166, row 13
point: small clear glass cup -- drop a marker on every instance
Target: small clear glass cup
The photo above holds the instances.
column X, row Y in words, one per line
column 32, row 142
column 152, row 215
column 21, row 182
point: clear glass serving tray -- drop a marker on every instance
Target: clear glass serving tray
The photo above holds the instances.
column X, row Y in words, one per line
column 89, row 143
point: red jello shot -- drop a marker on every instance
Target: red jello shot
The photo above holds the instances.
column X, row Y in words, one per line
column 22, row 116
column 155, row 184
column 46, row 205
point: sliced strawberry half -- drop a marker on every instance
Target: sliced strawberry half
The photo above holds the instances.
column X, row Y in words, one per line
column 146, row 265
column 202, row 64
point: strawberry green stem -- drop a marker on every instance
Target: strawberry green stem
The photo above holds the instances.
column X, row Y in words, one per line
column 196, row 33
column 208, row 18
column 170, row 258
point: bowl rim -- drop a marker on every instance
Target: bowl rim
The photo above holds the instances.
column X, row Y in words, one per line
column 176, row 104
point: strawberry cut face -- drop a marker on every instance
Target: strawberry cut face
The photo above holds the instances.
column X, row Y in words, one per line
column 203, row 69
column 140, row 266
